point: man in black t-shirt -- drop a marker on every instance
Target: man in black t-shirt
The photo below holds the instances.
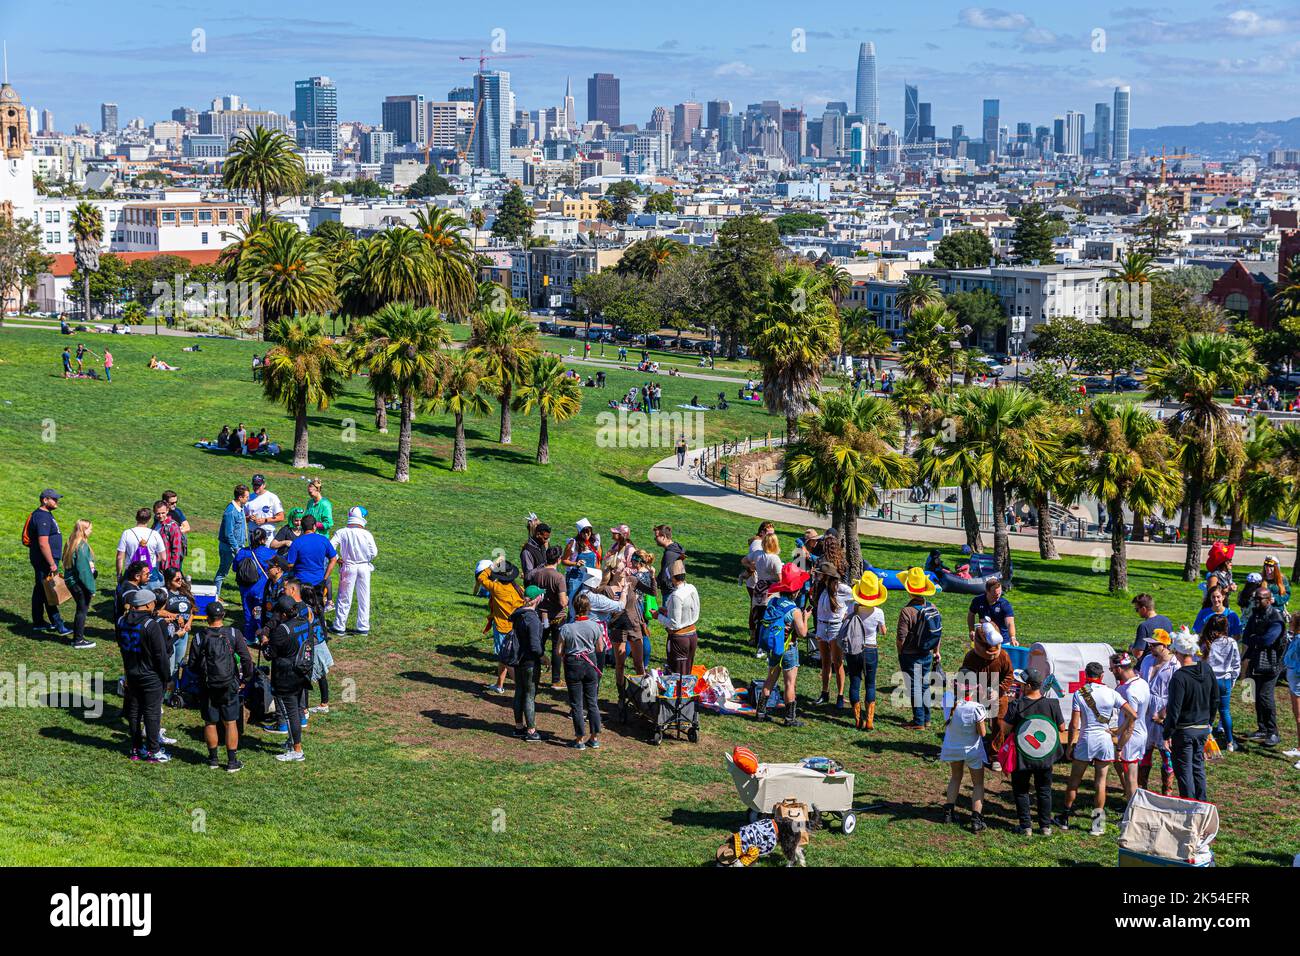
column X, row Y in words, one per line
column 1145, row 606
column 1035, row 724
column 45, row 550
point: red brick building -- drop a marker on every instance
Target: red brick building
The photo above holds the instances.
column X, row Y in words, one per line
column 1247, row 294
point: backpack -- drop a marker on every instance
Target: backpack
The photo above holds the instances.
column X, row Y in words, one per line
column 248, row 571
column 304, row 657
column 27, row 532
column 776, row 619
column 217, row 666
column 932, row 627
column 142, row 552
column 509, row 653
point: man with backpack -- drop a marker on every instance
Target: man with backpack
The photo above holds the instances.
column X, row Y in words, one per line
column 146, row 659
column 527, row 647
column 232, row 536
column 783, row 625
column 44, row 543
column 213, row 656
column 252, row 571
column 142, row 543
column 920, row 631
column 289, row 645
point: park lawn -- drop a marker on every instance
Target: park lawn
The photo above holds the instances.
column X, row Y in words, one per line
column 415, row 766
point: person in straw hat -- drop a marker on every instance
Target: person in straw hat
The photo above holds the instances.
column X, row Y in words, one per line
column 918, row 642
column 859, row 639
column 784, row 624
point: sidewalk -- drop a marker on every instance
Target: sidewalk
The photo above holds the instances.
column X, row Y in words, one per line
column 687, row 483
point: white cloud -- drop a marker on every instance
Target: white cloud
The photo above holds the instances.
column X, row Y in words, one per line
column 991, row 18
column 734, row 68
column 1248, row 23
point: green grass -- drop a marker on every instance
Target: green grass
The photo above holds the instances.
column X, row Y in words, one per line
column 417, row 767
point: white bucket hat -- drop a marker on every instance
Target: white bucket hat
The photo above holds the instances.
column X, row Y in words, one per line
column 582, row 523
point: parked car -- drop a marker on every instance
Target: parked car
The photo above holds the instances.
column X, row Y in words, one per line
column 570, row 331
column 1095, row 383
column 654, row 342
column 1127, row 383
column 897, row 344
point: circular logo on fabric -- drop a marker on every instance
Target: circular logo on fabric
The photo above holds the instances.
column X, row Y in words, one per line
column 1037, row 737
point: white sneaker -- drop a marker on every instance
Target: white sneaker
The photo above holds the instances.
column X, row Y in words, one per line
column 1098, row 822
column 1293, row 752
column 319, row 709
column 164, row 739
column 290, row 756
column 1297, row 766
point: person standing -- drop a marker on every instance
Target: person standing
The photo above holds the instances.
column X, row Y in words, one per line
column 173, row 540
column 1132, row 744
column 1193, row 699
column 1157, row 668
column 1094, row 708
column 918, row 643
column 356, row 551
column 312, row 558
column 681, row 453
column 989, row 661
column 784, row 624
column 1262, row 637
column 679, row 615
column 142, row 543
column 1145, row 606
column 533, row 553
column 219, row 657
column 67, row 362
column 263, row 509
column 1220, row 651
column 1036, row 724
column 79, row 575
column 146, row 659
column 583, row 640
column 528, row 631
column 44, row 543
column 859, row 639
column 672, row 553
column 833, row 602
column 499, row 580
column 252, row 590
column 288, row 683
column 319, row 507
column 232, row 535
column 963, row 748
column 553, row 609
column 992, row 605
column 108, row 365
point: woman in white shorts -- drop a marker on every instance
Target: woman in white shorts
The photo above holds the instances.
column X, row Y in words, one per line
column 963, row 747
column 1133, row 734
column 1096, row 708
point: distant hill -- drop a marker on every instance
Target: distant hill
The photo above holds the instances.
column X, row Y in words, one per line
column 1218, row 140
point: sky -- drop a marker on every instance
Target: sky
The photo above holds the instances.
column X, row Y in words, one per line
column 1198, row 60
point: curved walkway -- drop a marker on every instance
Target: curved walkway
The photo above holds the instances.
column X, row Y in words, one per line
column 687, row 483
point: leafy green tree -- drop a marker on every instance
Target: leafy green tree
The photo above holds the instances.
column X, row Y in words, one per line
column 553, row 394
column 661, row 202
column 263, row 162
column 514, row 220
column 619, row 196
column 303, row 369
column 792, row 222
column 913, row 399
column 964, row 249
column 980, row 309
column 429, row 183
column 505, row 342
column 1032, row 239
column 646, row 257
column 22, row 261
column 741, row 262
column 1195, row 279
column 1065, row 339
column 679, row 293
column 632, row 310
column 598, row 291
column 395, row 265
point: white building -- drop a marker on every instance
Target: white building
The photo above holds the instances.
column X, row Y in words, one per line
column 181, row 222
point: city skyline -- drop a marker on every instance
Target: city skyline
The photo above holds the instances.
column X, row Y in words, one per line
column 1038, row 64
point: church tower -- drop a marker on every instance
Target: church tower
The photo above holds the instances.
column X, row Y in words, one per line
column 15, row 134
column 17, row 189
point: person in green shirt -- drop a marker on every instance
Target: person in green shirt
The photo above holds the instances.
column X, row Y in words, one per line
column 319, row 507
column 79, row 575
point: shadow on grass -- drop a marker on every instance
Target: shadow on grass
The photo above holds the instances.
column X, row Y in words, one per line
column 726, row 821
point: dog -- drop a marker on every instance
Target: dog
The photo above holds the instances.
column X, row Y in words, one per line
column 787, row 829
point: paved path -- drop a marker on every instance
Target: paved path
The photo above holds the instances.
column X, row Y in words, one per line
column 687, row 483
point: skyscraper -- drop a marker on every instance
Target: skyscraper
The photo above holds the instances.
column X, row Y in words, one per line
column 925, row 124
column 867, row 102
column 316, row 112
column 715, row 110
column 47, row 122
column 1059, row 135
column 1074, row 125
column 108, row 117
column 491, row 146
column 405, row 117
column 911, row 114
column 992, row 122
column 461, row 94
column 1104, row 145
column 686, row 119
column 570, row 109
column 1120, row 139
column 602, row 98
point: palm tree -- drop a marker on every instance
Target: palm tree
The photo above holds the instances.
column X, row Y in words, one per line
column 842, row 454
column 402, row 352
column 926, row 353
column 454, row 273
column 917, row 292
column 87, row 227
column 1134, row 269
column 291, row 273
column 395, row 265
column 855, row 324
column 263, row 162
column 941, row 460
column 647, row 257
column 239, row 243
column 1253, row 490
column 1006, row 430
column 1202, row 365
column 303, row 369
column 793, row 337
column 477, row 219
column 505, row 341
column 912, row 398
column 838, row 282
column 552, row 393
column 873, row 341
column 464, row 390
column 1122, row 455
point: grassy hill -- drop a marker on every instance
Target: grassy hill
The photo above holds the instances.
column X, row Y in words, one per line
column 415, row 765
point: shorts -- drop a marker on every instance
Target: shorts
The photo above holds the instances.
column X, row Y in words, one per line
column 219, row 709
column 498, row 639
column 788, row 660
column 1293, row 681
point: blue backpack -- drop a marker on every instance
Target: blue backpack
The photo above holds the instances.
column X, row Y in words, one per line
column 776, row 622
column 932, row 622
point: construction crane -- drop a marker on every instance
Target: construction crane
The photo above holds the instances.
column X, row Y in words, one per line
column 483, row 57
column 1164, row 156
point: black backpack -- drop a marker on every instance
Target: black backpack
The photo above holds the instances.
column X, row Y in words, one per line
column 217, row 664
column 932, row 624
column 303, row 658
column 249, row 571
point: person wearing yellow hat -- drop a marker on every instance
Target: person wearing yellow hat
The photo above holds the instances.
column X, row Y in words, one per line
column 859, row 639
column 919, row 631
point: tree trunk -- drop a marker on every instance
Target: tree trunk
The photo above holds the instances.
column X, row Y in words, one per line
column 543, row 444
column 1192, row 512
column 791, row 427
column 1001, row 542
column 852, row 546
column 458, row 461
column 505, row 415
column 381, row 412
column 1237, row 530
column 86, row 281
column 1139, row 527
column 1046, row 543
column 970, row 519
column 1118, row 551
column 837, row 516
column 404, row 438
column 300, row 436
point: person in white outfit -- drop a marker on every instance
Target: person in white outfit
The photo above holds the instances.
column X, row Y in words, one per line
column 1132, row 743
column 1096, row 708
column 357, row 549
column 963, row 749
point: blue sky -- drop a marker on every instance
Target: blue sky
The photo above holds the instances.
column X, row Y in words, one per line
column 1198, row 60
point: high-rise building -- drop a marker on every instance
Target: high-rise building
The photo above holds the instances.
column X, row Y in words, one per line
column 1120, row 139
column 715, row 110
column 794, row 134
column 461, row 94
column 832, row 139
column 958, row 133
column 1074, row 127
column 992, row 122
column 602, row 99
column 911, row 114
column 108, row 117
column 406, row 117
column 47, row 122
column 730, row 131
column 316, row 113
column 184, row 114
column 1104, row 145
column 570, row 111
column 492, row 132
column 227, row 123
column 867, row 102
column 446, row 120
column 686, row 119
column 925, row 124
column 375, row 144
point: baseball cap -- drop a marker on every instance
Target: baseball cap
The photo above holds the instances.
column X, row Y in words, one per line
column 533, row 591
column 259, row 479
column 50, row 493
column 1160, row 636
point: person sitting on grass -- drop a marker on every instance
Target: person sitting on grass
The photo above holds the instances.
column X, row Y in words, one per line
column 963, row 747
column 219, row 657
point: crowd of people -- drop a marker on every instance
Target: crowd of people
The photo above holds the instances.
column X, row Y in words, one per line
column 174, row 644
column 240, row 441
